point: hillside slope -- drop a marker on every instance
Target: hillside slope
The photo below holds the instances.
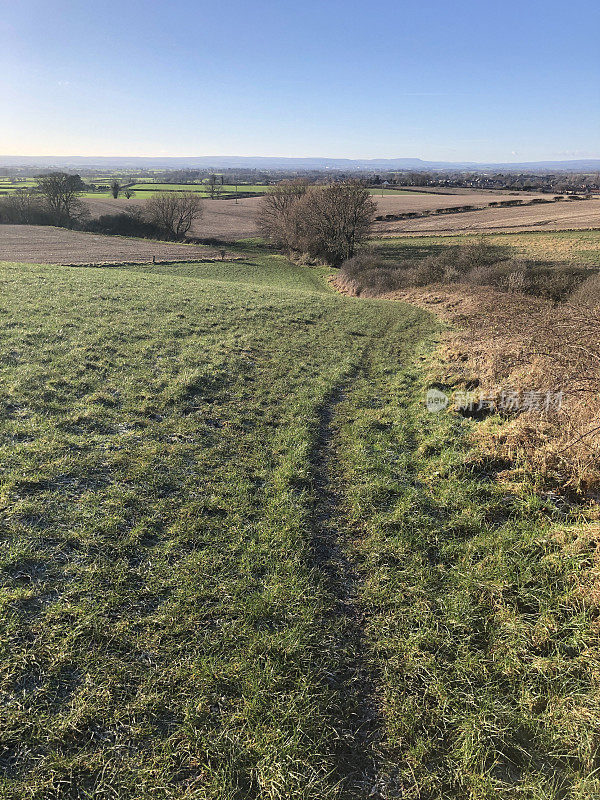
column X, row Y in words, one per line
column 240, row 560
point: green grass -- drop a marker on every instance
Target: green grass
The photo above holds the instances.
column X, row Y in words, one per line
column 153, row 188
column 574, row 247
column 169, row 629
column 149, row 188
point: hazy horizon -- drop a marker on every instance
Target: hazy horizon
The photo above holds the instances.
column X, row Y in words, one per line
column 293, row 157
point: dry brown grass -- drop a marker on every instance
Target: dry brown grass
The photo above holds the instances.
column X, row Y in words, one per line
column 501, row 341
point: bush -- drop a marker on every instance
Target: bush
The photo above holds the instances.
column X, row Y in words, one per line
column 550, row 281
column 25, row 208
column 369, row 272
column 430, row 270
column 174, row 214
column 554, row 283
column 124, row 224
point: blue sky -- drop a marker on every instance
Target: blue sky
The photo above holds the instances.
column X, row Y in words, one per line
column 436, row 79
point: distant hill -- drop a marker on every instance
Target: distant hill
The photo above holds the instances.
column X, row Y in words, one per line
column 276, row 163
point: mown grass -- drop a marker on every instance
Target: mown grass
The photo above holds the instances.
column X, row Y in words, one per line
column 167, row 629
column 571, row 247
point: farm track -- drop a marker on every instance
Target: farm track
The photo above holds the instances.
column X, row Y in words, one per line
column 357, row 718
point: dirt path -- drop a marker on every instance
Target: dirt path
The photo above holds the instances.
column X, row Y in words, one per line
column 357, row 717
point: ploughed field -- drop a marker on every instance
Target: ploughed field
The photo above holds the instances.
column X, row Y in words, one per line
column 563, row 215
column 43, row 245
column 221, row 219
column 229, row 220
column 239, row 559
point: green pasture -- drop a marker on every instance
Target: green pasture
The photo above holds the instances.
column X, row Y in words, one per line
column 239, row 559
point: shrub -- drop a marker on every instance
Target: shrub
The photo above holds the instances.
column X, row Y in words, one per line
column 479, row 254
column 554, row 283
column 175, row 213
column 25, row 208
column 124, row 224
column 369, row 272
column 430, row 270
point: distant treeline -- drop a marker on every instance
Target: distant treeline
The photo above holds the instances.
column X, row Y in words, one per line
column 558, row 182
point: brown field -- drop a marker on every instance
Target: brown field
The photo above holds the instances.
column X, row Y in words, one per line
column 564, row 215
column 429, row 201
column 45, row 245
column 223, row 219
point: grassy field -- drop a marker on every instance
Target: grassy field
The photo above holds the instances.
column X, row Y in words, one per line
column 147, row 189
column 573, row 247
column 199, row 187
column 240, row 560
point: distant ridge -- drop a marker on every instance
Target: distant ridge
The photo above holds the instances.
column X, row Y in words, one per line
column 275, row 163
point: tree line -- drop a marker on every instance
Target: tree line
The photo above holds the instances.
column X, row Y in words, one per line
column 56, row 200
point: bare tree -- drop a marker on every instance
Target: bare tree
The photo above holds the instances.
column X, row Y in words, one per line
column 128, row 193
column 62, row 193
column 327, row 222
column 214, row 186
column 25, row 207
column 115, row 188
column 278, row 220
column 335, row 219
column 174, row 212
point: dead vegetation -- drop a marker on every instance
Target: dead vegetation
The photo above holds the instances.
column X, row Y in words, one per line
column 502, row 342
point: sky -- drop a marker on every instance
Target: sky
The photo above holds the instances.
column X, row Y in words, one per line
column 452, row 80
